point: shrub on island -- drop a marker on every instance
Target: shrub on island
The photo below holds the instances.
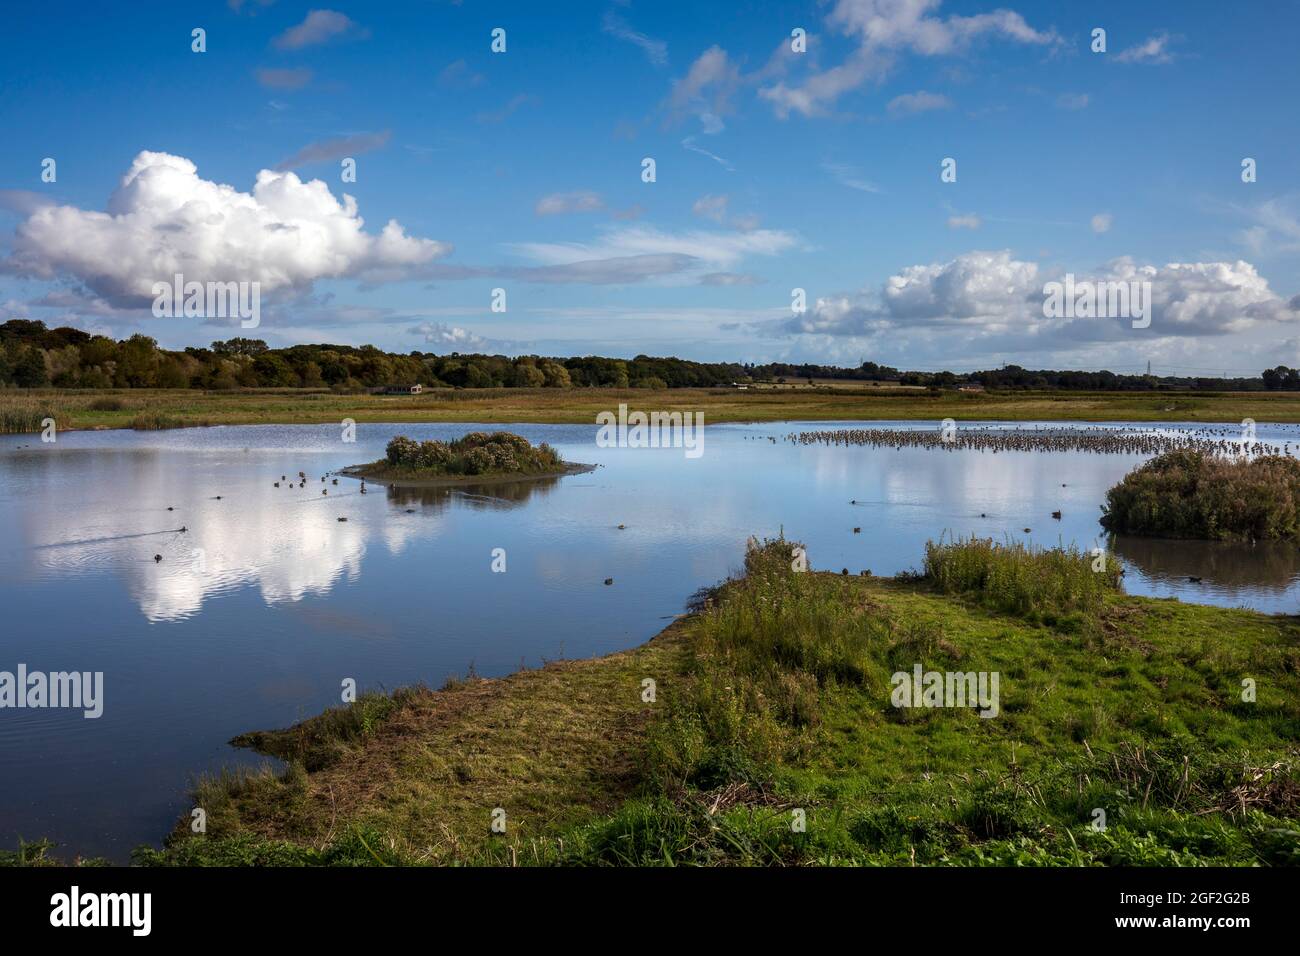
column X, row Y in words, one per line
column 1189, row 494
column 477, row 453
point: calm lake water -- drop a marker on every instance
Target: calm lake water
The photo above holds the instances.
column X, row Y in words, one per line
column 267, row 602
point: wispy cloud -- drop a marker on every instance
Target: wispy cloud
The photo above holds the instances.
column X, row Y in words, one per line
column 319, row 26
column 458, row 76
column 1275, row 225
column 848, row 176
column 239, row 5
column 716, row 208
column 516, row 103
column 886, row 29
column 656, row 51
column 1154, row 50
column 583, row 200
column 705, row 91
column 689, row 143
column 294, row 79
column 329, row 149
column 918, row 102
column 711, row 207
column 729, row 279
column 635, row 253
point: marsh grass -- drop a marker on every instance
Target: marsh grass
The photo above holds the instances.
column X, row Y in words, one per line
column 581, row 405
column 766, row 648
column 107, row 404
column 39, row 853
column 321, row 741
column 1017, row 578
column 25, row 418
column 156, row 421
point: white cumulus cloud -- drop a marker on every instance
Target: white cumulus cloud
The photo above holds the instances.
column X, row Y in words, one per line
column 164, row 219
column 993, row 293
column 450, row 336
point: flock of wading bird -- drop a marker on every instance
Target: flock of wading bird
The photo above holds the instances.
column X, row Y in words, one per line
column 1220, row 440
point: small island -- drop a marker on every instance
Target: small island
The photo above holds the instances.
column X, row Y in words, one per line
column 1200, row 495
column 477, row 457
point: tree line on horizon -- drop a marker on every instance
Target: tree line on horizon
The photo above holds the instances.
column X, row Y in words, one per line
column 34, row 356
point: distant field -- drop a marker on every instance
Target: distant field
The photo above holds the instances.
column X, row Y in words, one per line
column 23, row 410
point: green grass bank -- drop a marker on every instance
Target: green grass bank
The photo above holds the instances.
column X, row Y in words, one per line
column 772, row 737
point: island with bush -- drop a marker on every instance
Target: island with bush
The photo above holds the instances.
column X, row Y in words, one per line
column 476, row 457
column 1191, row 494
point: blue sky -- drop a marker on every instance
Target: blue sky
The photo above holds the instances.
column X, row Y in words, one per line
column 775, row 170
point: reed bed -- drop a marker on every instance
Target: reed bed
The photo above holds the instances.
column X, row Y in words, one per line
column 157, row 421
column 25, row 419
column 1020, row 579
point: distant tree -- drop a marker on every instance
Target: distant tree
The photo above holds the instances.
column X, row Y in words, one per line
column 100, row 350
column 240, row 346
column 29, row 369
column 274, row 372
column 312, row 376
column 528, row 376
column 171, row 374
column 476, row 376
column 1281, row 379
column 137, row 362
column 556, row 375
column 22, row 330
